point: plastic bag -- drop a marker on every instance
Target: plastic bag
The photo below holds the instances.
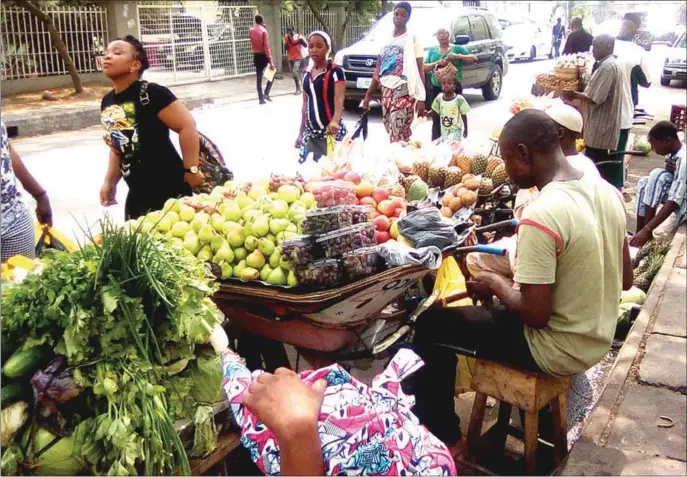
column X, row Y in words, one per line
column 427, row 227
column 396, row 254
column 49, row 237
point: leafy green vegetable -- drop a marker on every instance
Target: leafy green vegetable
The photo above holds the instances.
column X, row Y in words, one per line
column 205, row 435
column 207, row 380
column 119, row 312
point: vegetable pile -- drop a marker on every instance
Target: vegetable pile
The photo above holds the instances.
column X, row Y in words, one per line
column 109, row 347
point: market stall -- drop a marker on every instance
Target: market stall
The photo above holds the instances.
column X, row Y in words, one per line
column 570, row 72
column 111, row 353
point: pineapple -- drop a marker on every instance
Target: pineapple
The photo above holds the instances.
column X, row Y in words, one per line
column 486, row 186
column 642, row 282
column 407, row 181
column 436, row 176
column 397, row 190
column 493, row 163
column 479, row 164
column 463, row 162
column 453, row 176
column 643, row 267
column 500, row 176
column 421, row 169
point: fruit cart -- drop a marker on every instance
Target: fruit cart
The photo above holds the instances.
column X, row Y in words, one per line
column 361, row 321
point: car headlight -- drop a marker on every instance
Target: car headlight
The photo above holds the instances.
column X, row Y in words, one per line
column 339, row 58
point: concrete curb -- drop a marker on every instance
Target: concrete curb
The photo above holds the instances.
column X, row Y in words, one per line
column 598, row 427
column 73, row 119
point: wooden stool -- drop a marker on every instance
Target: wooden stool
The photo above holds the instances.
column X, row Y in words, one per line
column 528, row 392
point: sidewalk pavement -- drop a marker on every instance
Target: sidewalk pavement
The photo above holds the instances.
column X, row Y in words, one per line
column 59, row 117
column 638, row 424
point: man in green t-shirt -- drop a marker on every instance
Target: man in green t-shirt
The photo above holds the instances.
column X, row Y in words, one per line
column 573, row 261
column 441, row 56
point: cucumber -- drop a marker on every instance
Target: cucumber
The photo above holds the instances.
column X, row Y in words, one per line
column 22, row 362
column 10, row 393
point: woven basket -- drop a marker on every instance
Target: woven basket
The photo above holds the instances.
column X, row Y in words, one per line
column 565, row 73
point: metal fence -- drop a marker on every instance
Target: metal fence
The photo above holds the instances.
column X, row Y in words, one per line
column 196, row 43
column 304, row 22
column 27, row 51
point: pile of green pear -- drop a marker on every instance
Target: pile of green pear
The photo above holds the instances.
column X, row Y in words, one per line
column 237, row 228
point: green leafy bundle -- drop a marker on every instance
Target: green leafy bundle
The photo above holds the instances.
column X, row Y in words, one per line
column 120, row 311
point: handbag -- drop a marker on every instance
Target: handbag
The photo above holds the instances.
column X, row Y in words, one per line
column 448, row 70
column 210, row 161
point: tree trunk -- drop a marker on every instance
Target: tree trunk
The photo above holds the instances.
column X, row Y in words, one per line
column 57, row 41
column 316, row 12
column 341, row 33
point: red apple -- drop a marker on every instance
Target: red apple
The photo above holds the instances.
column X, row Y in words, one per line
column 339, row 175
column 352, row 177
column 399, row 203
column 368, row 201
column 379, row 195
column 386, row 207
column 382, row 223
column 398, row 212
column 375, row 214
column 382, row 237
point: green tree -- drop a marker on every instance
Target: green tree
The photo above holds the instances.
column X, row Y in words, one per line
column 34, row 9
column 353, row 9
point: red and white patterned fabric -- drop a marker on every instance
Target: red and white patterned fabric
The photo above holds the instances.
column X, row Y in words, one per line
column 364, row 430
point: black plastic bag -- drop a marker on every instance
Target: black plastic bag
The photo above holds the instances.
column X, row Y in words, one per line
column 426, row 228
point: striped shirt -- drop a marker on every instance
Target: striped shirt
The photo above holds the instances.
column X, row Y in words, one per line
column 678, row 189
column 320, row 96
column 602, row 130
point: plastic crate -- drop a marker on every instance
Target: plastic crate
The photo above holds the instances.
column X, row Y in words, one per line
column 677, row 116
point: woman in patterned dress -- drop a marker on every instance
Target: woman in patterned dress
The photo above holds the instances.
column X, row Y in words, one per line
column 402, row 81
column 18, row 237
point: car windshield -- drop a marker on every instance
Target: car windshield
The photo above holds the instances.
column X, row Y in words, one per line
column 681, row 42
column 424, row 23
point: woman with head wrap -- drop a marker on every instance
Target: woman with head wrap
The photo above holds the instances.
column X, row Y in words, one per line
column 400, row 73
column 324, row 89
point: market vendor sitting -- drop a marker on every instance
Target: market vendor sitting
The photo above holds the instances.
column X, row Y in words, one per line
column 569, row 126
column 573, row 261
column 664, row 185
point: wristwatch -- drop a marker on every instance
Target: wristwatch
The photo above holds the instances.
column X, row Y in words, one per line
column 191, row 170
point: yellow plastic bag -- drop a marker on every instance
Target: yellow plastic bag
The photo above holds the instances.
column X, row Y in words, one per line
column 451, row 281
column 49, row 237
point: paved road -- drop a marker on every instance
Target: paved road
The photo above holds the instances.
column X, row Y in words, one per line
column 256, row 140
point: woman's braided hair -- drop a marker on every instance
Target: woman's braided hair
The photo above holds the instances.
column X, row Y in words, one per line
column 139, row 52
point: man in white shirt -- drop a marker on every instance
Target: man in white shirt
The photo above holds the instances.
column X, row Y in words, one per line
column 629, row 56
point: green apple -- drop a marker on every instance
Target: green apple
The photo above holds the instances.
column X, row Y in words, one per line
column 243, row 201
column 229, row 226
column 180, row 228
column 309, row 200
column 278, row 225
column 251, row 214
column 154, row 216
column 236, row 238
column 169, row 204
column 291, row 228
column 272, row 238
column 256, row 259
column 277, row 277
column 257, row 192
column 200, row 219
column 147, row 227
column 172, row 216
column 240, row 254
column 266, row 246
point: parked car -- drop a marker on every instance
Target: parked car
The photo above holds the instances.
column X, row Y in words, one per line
column 675, row 67
column 476, row 29
column 189, row 53
column 525, row 39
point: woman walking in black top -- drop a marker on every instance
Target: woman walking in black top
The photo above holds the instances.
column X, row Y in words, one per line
column 137, row 117
column 324, row 89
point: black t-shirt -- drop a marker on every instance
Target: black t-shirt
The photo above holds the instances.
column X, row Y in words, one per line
column 151, row 166
column 579, row 41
